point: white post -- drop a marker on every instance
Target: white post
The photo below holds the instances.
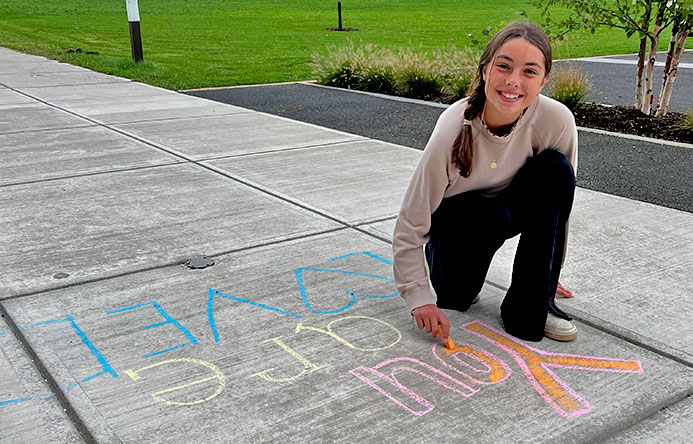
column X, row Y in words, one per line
column 134, row 24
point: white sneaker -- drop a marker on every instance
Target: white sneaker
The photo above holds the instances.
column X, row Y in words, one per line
column 559, row 329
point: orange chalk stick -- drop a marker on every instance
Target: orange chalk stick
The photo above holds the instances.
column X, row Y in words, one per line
column 448, row 343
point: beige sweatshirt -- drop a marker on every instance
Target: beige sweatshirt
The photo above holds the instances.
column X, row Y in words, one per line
column 546, row 123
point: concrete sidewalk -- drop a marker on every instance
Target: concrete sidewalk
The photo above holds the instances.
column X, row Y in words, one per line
column 296, row 333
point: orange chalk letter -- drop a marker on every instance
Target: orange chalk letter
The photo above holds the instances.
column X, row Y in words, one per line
column 536, row 365
column 470, row 358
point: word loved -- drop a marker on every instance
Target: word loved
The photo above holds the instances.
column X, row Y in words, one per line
column 68, row 325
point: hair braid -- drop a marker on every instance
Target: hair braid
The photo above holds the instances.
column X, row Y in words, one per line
column 462, row 148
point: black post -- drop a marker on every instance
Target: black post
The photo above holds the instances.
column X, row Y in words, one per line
column 339, row 9
column 134, row 23
column 136, row 41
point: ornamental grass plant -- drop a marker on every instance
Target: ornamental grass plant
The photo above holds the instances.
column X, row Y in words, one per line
column 687, row 122
column 570, row 86
column 417, row 76
column 441, row 75
column 366, row 67
column 458, row 68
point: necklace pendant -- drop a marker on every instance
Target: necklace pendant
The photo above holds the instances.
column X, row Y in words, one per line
column 494, row 165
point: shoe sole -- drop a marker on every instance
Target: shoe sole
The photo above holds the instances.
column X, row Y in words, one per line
column 562, row 337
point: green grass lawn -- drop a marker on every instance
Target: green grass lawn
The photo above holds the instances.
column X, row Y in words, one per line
column 204, row 43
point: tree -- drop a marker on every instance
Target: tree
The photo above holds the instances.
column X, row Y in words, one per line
column 681, row 28
column 647, row 18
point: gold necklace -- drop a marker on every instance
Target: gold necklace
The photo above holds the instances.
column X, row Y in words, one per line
column 494, row 164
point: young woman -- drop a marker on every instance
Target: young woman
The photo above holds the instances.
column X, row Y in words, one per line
column 499, row 163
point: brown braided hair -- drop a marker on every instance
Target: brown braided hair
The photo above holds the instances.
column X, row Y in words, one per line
column 462, row 147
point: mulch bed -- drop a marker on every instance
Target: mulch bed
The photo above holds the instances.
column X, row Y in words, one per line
column 627, row 120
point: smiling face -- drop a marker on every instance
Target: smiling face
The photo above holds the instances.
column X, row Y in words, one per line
column 513, row 79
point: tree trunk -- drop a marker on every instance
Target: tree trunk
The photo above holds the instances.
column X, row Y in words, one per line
column 640, row 85
column 639, row 96
column 667, row 64
column 654, row 42
column 681, row 37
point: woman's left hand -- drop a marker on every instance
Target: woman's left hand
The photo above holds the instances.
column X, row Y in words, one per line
column 563, row 292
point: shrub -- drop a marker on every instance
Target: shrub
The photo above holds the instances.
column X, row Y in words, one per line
column 569, row 86
column 416, row 75
column 378, row 75
column 687, row 122
column 346, row 66
column 458, row 69
column 443, row 75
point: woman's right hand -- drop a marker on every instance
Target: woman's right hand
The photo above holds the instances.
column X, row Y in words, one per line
column 430, row 317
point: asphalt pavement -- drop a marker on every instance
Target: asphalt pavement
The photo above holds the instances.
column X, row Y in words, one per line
column 112, row 191
column 613, row 79
column 634, row 168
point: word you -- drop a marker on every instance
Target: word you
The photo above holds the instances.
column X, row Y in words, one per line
column 466, row 379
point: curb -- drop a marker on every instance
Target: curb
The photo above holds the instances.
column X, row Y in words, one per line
column 442, row 105
column 382, row 96
column 214, row 88
column 637, row 138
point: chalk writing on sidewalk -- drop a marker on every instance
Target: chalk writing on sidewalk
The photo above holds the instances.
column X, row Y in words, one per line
column 329, row 332
column 308, row 367
column 534, row 363
column 216, row 374
column 495, row 370
column 191, row 340
column 105, row 366
column 465, row 370
column 169, row 320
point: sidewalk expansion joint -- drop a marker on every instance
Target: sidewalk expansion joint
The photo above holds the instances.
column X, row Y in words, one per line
column 376, row 220
column 631, row 338
column 169, row 264
column 632, row 421
column 164, row 119
column 94, row 173
column 373, row 235
column 211, row 168
column 57, row 128
column 275, row 194
column 40, row 367
column 282, row 150
column 618, row 333
column 105, row 82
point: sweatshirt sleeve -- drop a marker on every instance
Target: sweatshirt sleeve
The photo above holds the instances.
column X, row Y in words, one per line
column 425, row 192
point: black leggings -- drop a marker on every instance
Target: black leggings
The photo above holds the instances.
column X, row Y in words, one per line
column 468, row 229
